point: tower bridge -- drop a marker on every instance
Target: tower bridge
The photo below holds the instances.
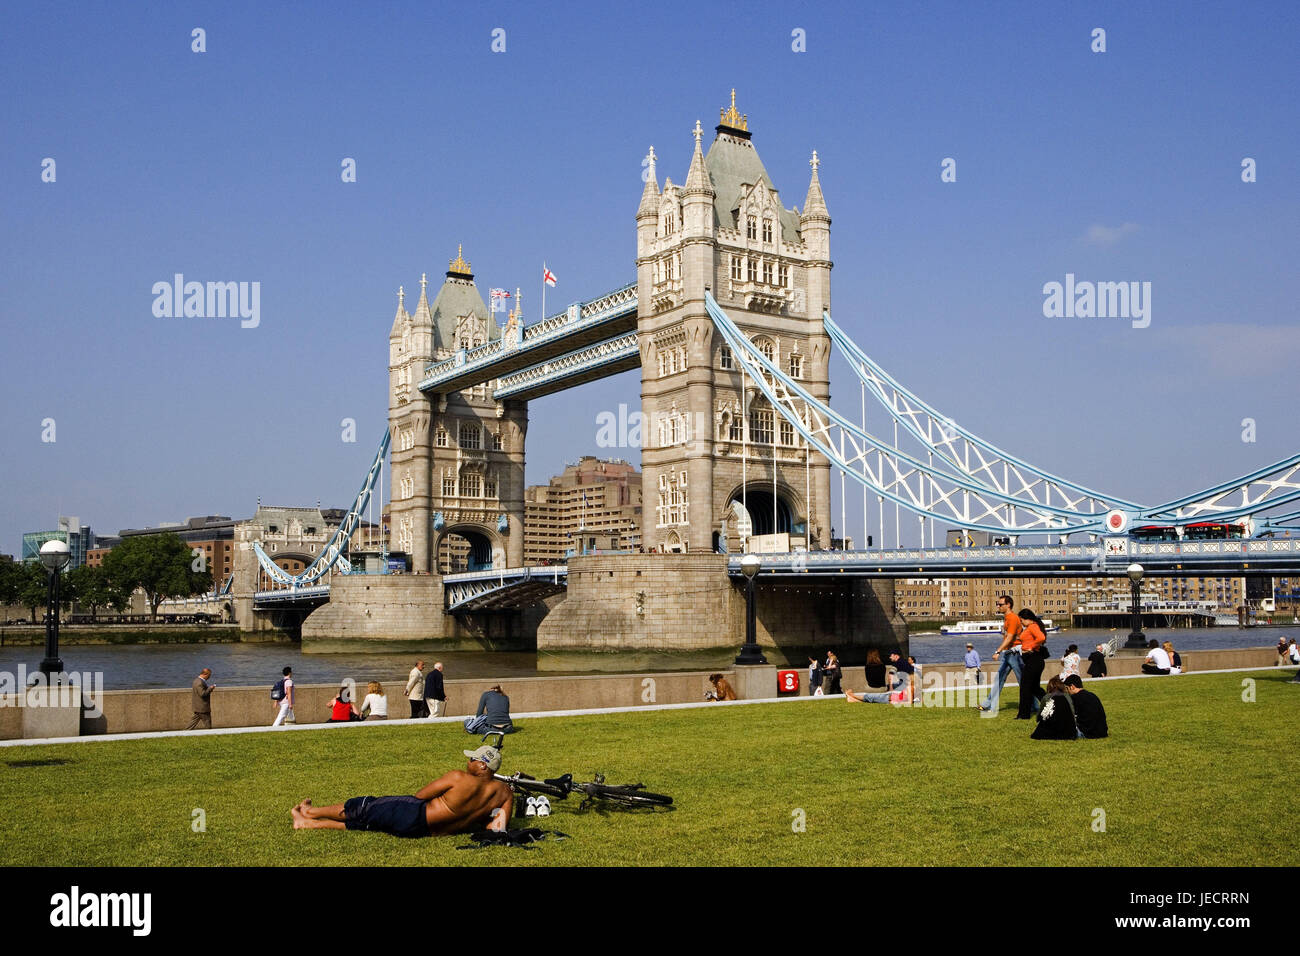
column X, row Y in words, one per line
column 729, row 320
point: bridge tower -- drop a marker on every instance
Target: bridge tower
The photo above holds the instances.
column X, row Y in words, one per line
column 457, row 490
column 725, row 230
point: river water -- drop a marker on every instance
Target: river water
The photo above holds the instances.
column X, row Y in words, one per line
column 143, row 666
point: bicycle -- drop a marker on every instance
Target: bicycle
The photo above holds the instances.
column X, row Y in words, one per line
column 628, row 794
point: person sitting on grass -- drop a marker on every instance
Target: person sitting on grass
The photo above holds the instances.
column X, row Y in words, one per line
column 1056, row 716
column 457, row 802
column 492, row 713
column 721, row 689
column 1089, row 715
column 900, row 691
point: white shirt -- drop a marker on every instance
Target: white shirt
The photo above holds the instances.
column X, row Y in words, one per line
column 288, row 686
column 1069, row 665
column 1159, row 658
column 377, row 703
column 1294, row 651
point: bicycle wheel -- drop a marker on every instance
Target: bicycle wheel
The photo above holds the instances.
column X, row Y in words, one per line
column 627, row 796
column 522, row 783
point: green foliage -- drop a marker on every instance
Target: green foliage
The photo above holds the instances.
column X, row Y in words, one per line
column 1191, row 777
column 33, row 586
column 161, row 565
column 93, row 588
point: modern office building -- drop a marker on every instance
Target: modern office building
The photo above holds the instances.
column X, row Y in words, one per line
column 594, row 504
column 78, row 537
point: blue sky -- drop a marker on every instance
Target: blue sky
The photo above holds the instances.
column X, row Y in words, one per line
column 225, row 165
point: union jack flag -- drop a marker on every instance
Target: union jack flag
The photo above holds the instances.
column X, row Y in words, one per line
column 496, row 296
column 548, row 276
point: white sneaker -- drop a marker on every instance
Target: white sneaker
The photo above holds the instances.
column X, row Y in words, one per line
column 543, row 807
column 530, row 808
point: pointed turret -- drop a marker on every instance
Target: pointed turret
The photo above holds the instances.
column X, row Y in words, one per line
column 650, row 194
column 402, row 316
column 423, row 318
column 697, row 178
column 814, row 206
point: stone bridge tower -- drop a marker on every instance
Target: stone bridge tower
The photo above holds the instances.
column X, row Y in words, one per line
column 769, row 267
column 457, row 494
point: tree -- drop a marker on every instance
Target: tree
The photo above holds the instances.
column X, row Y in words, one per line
column 33, row 586
column 93, row 589
column 161, row 565
column 10, row 580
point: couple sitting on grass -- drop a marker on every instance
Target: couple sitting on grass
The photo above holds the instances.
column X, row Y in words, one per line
column 900, row 689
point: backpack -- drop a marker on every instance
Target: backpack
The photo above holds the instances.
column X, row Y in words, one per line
column 277, row 692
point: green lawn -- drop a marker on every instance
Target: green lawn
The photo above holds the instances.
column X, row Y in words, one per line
column 1192, row 776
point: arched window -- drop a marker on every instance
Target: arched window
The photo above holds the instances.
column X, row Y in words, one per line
column 767, row 230
column 470, row 436
column 751, row 228
column 767, row 347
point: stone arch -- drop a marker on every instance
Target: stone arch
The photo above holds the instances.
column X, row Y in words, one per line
column 468, row 547
column 674, row 543
column 791, row 510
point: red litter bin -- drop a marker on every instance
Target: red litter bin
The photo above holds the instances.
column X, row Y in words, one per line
column 787, row 682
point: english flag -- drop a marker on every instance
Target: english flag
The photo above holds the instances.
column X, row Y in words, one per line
column 548, row 276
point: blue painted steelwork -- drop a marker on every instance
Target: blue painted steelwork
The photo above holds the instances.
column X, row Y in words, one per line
column 1196, row 558
column 580, row 362
column 486, row 362
column 502, row 588
column 988, row 512
column 332, row 554
column 905, row 406
column 292, row 596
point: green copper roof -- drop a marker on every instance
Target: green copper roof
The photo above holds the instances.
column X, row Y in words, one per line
column 733, row 163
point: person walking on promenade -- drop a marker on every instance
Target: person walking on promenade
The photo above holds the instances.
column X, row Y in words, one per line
column 831, row 674
column 435, row 694
column 1008, row 650
column 1282, row 656
column 814, row 676
column 415, row 690
column 1097, row 662
column 282, row 696
column 1070, row 662
column 972, row 662
column 1033, row 656
column 201, row 700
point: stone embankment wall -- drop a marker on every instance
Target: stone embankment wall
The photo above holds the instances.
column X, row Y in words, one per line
column 154, row 710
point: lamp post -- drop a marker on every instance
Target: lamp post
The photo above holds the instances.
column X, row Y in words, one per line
column 1136, row 638
column 749, row 653
column 55, row 556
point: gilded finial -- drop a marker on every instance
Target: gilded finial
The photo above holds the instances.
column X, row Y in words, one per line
column 733, row 119
column 814, row 162
column 459, row 264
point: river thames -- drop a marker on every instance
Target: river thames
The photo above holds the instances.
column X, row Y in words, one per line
column 147, row 666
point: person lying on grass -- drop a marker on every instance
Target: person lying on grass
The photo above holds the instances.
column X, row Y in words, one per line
column 457, row 802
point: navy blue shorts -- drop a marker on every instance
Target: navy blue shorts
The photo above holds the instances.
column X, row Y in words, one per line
column 400, row 816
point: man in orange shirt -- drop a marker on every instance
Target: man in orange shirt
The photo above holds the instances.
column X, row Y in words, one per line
column 1008, row 650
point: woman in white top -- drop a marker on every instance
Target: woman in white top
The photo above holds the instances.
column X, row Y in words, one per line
column 1070, row 662
column 375, row 706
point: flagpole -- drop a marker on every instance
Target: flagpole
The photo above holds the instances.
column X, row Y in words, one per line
column 543, row 315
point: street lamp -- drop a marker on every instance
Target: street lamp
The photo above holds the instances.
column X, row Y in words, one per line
column 1136, row 638
column 55, row 556
column 749, row 653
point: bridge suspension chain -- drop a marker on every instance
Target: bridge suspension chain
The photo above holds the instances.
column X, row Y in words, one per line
column 334, row 549
column 883, row 468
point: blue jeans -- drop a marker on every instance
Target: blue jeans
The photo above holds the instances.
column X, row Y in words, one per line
column 1010, row 662
column 883, row 697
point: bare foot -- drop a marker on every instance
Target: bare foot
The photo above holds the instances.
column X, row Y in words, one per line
column 299, row 821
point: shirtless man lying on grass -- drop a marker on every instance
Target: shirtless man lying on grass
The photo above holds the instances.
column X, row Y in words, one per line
column 457, row 802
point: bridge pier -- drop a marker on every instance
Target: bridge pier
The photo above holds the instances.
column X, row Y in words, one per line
column 651, row 608
column 406, row 610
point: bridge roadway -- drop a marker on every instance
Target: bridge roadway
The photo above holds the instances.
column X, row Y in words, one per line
column 500, row 589
column 588, row 341
column 1110, row 557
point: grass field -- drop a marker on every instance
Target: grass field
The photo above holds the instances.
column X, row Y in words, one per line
column 1191, row 776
